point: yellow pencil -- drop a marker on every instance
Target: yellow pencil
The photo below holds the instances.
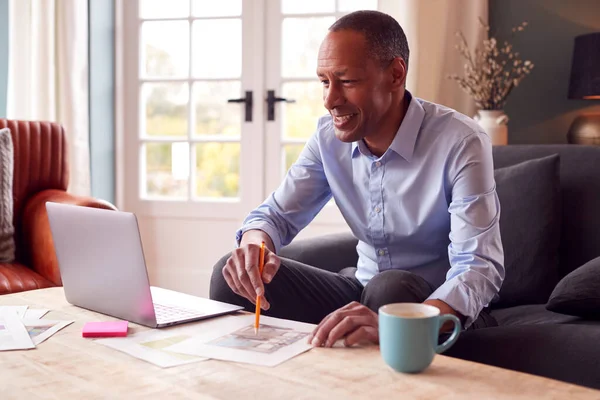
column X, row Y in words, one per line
column 261, row 264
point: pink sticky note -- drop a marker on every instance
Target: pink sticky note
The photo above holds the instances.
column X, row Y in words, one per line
column 105, row 329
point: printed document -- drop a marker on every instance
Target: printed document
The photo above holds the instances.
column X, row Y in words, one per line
column 41, row 329
column 234, row 339
column 150, row 346
column 33, row 313
column 20, row 310
column 13, row 335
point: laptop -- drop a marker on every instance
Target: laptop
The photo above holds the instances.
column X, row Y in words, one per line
column 102, row 266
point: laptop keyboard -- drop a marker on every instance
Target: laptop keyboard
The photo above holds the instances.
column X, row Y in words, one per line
column 165, row 314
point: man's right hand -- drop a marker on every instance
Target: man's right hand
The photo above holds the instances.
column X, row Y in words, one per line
column 242, row 270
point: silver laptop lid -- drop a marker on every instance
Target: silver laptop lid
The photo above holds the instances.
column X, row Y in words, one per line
column 101, row 261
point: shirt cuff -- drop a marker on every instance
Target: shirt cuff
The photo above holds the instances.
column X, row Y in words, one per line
column 461, row 298
column 262, row 226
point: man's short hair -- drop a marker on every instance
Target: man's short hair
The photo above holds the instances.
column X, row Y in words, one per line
column 385, row 38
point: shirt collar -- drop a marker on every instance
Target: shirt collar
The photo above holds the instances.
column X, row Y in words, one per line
column 406, row 136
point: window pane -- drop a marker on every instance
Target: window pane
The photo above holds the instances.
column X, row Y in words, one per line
column 307, row 6
column 300, row 41
column 166, row 109
column 167, row 170
column 291, row 153
column 217, row 48
column 220, row 8
column 214, row 115
column 164, row 9
column 217, row 170
column 354, row 5
column 300, row 118
column 165, row 47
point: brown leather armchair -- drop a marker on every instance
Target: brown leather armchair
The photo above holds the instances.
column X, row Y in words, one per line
column 41, row 174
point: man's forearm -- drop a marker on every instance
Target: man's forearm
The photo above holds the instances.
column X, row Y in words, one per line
column 445, row 309
column 256, row 236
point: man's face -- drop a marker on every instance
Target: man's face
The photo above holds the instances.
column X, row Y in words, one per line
column 357, row 91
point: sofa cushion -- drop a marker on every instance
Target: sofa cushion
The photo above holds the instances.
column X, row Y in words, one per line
column 580, row 196
column 530, row 314
column 317, row 251
column 7, row 230
column 578, row 293
column 565, row 352
column 530, row 215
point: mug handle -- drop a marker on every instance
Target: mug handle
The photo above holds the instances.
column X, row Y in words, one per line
column 450, row 341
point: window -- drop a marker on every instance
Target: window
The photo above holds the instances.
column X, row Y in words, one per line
column 190, row 138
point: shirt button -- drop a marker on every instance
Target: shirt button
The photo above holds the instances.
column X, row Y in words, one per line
column 377, row 209
column 378, row 164
column 381, row 252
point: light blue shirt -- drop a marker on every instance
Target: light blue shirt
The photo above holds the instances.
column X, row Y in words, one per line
column 428, row 205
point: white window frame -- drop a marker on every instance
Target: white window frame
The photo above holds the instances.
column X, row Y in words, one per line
column 129, row 143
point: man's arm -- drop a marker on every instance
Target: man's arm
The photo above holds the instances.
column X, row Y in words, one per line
column 277, row 221
column 475, row 252
column 302, row 194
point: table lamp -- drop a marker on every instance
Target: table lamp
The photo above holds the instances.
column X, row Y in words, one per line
column 585, row 84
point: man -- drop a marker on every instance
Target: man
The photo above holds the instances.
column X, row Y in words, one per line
column 414, row 181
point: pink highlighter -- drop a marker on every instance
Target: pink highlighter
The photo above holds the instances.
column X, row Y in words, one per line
column 105, row 329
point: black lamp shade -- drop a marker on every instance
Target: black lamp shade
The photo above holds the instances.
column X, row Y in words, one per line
column 585, row 67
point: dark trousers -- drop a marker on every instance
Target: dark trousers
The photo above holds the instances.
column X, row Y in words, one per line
column 303, row 293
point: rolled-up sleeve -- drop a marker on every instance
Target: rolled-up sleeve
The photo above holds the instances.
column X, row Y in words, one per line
column 475, row 251
column 302, row 194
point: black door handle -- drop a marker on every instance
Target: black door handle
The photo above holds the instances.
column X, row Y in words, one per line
column 248, row 105
column 271, row 100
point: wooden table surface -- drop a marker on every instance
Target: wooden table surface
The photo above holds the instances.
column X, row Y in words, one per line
column 70, row 366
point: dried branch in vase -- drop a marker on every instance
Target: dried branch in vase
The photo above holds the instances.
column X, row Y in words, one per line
column 491, row 72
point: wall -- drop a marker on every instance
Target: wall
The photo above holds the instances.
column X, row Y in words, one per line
column 3, row 56
column 539, row 109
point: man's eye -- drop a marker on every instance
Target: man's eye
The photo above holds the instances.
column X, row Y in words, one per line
column 348, row 81
column 325, row 83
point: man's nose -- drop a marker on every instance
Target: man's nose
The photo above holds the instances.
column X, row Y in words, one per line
column 333, row 97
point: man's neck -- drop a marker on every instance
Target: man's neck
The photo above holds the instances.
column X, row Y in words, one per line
column 381, row 141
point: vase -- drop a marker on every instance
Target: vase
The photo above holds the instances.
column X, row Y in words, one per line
column 494, row 123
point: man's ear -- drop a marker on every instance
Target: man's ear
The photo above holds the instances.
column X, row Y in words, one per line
column 398, row 70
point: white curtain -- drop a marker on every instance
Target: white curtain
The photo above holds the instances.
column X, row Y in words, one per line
column 48, row 73
column 430, row 27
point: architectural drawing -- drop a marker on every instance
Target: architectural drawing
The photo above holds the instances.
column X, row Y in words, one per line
column 38, row 330
column 269, row 339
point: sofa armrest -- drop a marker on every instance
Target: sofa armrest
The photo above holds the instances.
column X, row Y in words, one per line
column 331, row 252
column 36, row 234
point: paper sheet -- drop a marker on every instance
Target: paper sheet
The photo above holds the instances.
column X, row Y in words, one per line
column 13, row 335
column 150, row 346
column 35, row 313
column 41, row 329
column 20, row 310
column 233, row 339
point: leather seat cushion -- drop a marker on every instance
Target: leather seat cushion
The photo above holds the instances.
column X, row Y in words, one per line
column 18, row 278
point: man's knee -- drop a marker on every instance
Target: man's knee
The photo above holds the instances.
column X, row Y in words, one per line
column 395, row 286
column 219, row 289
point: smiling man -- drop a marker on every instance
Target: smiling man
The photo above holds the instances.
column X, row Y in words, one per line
column 414, row 181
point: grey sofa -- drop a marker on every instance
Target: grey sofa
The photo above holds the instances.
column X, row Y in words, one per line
column 529, row 338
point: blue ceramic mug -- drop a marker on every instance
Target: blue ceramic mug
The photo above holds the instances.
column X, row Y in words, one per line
column 408, row 335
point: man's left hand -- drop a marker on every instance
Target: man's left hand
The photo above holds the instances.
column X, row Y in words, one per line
column 354, row 322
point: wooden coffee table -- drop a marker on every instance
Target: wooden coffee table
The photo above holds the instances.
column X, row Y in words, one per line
column 69, row 366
